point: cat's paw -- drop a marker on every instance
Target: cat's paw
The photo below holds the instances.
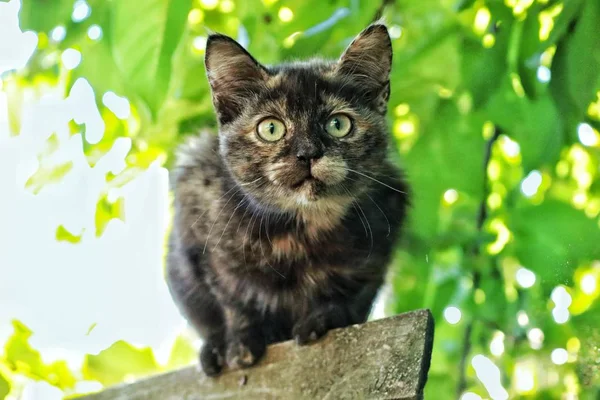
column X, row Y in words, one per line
column 245, row 352
column 211, row 358
column 311, row 328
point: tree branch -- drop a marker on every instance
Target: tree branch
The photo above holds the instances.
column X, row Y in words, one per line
column 481, row 217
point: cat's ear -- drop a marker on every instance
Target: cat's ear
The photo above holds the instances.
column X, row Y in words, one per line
column 368, row 62
column 234, row 75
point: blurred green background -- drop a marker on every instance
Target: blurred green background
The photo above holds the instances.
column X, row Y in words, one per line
column 495, row 112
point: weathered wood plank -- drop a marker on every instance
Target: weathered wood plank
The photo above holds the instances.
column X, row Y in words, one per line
column 383, row 359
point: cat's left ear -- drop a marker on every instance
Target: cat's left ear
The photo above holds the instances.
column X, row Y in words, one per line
column 368, row 62
column 234, row 76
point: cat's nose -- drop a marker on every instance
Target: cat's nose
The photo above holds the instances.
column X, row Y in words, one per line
column 309, row 153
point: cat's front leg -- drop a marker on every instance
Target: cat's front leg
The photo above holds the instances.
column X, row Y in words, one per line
column 245, row 341
column 321, row 319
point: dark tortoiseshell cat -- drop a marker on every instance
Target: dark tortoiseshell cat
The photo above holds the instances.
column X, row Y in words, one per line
column 285, row 222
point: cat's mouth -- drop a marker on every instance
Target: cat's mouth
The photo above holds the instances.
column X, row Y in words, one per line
column 309, row 180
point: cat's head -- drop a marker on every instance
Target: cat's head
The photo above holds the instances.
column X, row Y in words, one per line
column 293, row 135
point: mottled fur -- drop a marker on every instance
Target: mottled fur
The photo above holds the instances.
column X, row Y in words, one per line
column 274, row 240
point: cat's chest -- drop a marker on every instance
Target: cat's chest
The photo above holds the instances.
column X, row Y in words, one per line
column 289, row 271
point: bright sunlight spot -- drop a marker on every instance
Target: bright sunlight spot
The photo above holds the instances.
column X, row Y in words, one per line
column 402, row 109
column 117, row 104
column 524, row 379
column 452, row 315
column 525, row 277
column 199, row 43
column 94, row 32
column 510, row 147
column 81, row 10
column 559, row 356
column 560, row 315
column 209, row 4
column 285, row 14
column 560, row 297
column 587, row 135
column 531, row 183
column 395, row 31
column 497, row 344
column 58, row 34
column 588, row 284
column 71, row 58
column 544, row 74
column 450, row 196
column 227, row 6
column 488, row 41
column 536, row 338
column 470, row 396
column 489, row 375
column 502, row 238
column 562, row 300
column 573, row 345
column 522, row 318
column 405, row 128
column 195, row 16
column 546, row 20
column 482, row 20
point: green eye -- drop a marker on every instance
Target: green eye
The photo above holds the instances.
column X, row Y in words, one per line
column 338, row 125
column 270, row 129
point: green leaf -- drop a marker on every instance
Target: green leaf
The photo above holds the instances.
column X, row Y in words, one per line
column 4, row 386
column 63, row 235
column 25, row 360
column 552, row 238
column 448, row 156
column 534, row 124
column 119, row 361
column 483, row 69
column 18, row 351
column 531, row 45
column 189, row 81
column 143, row 42
column 43, row 15
column 97, row 57
column 182, row 353
column 584, row 56
column 576, row 65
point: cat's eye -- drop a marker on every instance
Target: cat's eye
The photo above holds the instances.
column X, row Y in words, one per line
column 338, row 125
column 270, row 129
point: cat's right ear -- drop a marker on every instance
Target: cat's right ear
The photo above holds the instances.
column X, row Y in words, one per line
column 233, row 75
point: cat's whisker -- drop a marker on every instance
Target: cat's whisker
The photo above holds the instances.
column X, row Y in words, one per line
column 354, row 204
column 216, row 218
column 267, row 230
column 205, row 211
column 191, row 230
column 261, row 248
column 250, row 183
column 385, row 216
column 241, row 202
column 376, row 180
column 368, row 225
column 244, row 239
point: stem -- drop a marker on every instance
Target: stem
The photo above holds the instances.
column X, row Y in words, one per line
column 381, row 9
column 481, row 217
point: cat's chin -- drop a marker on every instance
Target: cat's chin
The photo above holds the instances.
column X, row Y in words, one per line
column 308, row 192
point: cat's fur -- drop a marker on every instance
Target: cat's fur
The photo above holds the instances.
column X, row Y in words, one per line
column 273, row 241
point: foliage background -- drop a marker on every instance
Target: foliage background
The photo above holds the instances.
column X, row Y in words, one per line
column 495, row 111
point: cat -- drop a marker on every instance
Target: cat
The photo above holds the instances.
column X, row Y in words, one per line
column 286, row 220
